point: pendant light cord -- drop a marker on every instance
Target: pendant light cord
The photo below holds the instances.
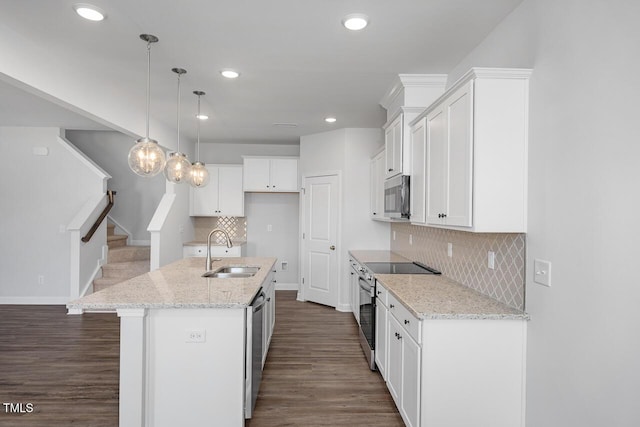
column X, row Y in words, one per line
column 148, row 84
column 198, row 132
column 178, row 125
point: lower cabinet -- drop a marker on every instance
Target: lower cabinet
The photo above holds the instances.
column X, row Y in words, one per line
column 269, row 320
column 451, row 371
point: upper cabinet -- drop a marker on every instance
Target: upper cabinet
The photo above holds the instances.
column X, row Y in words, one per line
column 271, row 174
column 472, row 173
column 222, row 196
column 393, row 147
column 404, row 101
column 377, row 175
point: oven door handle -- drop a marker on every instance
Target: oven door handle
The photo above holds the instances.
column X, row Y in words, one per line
column 365, row 287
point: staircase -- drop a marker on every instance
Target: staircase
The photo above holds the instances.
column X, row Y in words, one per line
column 124, row 263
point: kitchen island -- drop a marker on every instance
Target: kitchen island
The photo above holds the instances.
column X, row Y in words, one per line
column 182, row 342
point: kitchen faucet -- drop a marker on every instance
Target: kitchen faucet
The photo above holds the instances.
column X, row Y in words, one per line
column 229, row 244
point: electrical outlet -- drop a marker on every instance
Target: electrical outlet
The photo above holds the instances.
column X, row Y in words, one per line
column 181, row 228
column 491, row 260
column 195, row 335
column 40, row 280
column 542, row 272
column 269, row 227
column 411, row 239
column 394, row 234
column 450, row 250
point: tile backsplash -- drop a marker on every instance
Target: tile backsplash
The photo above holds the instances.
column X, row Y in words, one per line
column 468, row 265
column 235, row 226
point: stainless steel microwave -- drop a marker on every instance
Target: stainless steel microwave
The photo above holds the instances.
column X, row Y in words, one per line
column 396, row 197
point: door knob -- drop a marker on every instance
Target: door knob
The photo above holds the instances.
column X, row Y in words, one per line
column 333, row 248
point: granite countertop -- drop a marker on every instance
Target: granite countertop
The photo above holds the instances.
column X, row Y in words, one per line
column 181, row 285
column 235, row 242
column 429, row 296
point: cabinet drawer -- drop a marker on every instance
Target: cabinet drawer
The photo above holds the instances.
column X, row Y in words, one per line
column 382, row 294
column 407, row 320
column 216, row 251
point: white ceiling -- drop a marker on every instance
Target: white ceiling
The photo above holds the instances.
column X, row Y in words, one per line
column 297, row 63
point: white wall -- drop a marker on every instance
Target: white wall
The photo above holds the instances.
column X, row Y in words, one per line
column 348, row 151
column 40, row 197
column 281, row 211
column 137, row 197
column 231, row 153
column 584, row 204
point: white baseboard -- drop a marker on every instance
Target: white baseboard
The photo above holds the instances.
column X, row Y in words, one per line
column 34, row 300
column 286, row 286
column 346, row 308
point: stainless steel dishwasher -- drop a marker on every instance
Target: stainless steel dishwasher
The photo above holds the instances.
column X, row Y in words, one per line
column 253, row 367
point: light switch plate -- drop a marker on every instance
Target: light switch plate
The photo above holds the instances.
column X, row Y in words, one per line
column 542, row 272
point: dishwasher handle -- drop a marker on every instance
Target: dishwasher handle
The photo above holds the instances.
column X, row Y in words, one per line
column 259, row 302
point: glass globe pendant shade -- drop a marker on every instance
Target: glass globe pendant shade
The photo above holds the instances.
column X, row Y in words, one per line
column 146, row 158
column 177, row 169
column 199, row 175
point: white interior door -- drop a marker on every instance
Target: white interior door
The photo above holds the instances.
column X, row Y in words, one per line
column 320, row 259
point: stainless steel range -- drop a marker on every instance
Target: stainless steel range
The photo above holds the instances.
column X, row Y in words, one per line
column 367, row 284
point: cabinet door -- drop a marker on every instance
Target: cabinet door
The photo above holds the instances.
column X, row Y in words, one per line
column 410, row 407
column 377, row 185
column 393, row 148
column 418, row 168
column 436, row 165
column 381, row 338
column 230, row 196
column 355, row 294
column 204, row 200
column 373, row 190
column 284, row 175
column 459, row 111
column 394, row 362
column 256, row 174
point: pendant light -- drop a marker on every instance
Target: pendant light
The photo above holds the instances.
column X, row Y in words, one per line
column 177, row 169
column 199, row 172
column 146, row 158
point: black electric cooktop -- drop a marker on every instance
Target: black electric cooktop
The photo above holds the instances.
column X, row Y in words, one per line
column 400, row 268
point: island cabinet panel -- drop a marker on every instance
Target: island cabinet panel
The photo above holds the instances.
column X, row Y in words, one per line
column 195, row 371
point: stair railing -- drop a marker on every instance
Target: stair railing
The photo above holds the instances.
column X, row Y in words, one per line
column 101, row 218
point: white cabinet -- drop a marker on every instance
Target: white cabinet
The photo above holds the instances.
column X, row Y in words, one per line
column 354, row 288
column 382, row 338
column 189, row 251
column 393, row 147
column 269, row 319
column 222, row 196
column 377, row 175
column 451, row 371
column 450, row 160
column 404, row 362
column 418, row 170
column 475, row 167
column 271, row 174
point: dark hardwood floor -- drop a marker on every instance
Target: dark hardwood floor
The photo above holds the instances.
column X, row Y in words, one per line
column 67, row 367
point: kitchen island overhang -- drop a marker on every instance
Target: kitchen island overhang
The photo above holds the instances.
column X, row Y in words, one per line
column 182, row 342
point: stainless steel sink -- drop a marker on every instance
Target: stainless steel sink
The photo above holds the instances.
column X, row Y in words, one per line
column 232, row 271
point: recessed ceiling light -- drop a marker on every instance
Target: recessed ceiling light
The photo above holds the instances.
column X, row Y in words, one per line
column 89, row 11
column 202, row 116
column 330, row 120
column 230, row 74
column 355, row 21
